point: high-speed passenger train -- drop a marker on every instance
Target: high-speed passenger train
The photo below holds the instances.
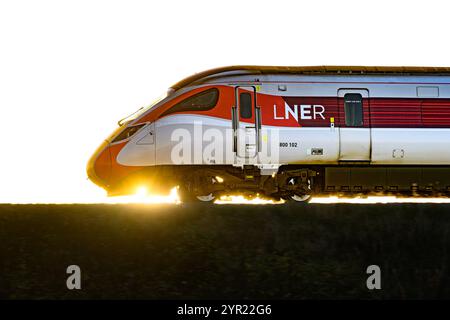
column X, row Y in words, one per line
column 286, row 132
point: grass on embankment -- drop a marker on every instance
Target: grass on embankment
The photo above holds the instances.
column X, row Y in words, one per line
column 225, row 251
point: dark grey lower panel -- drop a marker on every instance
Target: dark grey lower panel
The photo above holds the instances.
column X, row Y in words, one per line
column 387, row 179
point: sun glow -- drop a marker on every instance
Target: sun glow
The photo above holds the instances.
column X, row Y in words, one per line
column 378, row 199
column 143, row 196
column 243, row 200
column 335, row 199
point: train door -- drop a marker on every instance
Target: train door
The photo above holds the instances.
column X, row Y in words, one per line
column 245, row 124
column 354, row 131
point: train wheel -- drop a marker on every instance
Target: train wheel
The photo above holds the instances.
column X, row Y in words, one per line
column 298, row 197
column 186, row 196
column 209, row 198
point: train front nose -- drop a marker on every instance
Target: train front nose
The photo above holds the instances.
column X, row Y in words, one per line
column 99, row 166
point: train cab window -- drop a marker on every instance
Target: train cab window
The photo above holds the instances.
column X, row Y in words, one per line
column 245, row 105
column 203, row 101
column 353, row 107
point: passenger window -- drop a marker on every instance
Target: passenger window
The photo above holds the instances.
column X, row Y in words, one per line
column 353, row 107
column 245, row 105
column 203, row 101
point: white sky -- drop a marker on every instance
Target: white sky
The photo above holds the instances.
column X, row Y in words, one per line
column 70, row 69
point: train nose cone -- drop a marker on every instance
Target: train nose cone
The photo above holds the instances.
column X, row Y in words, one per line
column 99, row 166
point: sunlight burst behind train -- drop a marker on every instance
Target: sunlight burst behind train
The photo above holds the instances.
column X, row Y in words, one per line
column 378, row 199
column 242, row 200
column 143, row 196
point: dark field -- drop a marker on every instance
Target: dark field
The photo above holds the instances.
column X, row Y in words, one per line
column 225, row 251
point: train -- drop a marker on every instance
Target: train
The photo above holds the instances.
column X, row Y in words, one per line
column 289, row 133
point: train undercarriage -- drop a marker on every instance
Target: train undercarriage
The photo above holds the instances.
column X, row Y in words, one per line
column 292, row 182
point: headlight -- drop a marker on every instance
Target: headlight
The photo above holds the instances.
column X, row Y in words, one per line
column 128, row 132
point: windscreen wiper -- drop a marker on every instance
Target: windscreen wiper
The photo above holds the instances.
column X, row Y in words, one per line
column 120, row 122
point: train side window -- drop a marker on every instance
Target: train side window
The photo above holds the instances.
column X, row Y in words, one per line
column 245, row 105
column 353, row 107
column 203, row 101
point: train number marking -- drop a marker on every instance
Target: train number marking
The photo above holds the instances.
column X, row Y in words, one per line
column 288, row 144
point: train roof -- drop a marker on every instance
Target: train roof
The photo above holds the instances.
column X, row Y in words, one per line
column 309, row 70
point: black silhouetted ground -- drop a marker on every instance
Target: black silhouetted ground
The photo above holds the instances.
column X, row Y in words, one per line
column 224, row 251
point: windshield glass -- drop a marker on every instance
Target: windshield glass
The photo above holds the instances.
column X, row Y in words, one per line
column 140, row 111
